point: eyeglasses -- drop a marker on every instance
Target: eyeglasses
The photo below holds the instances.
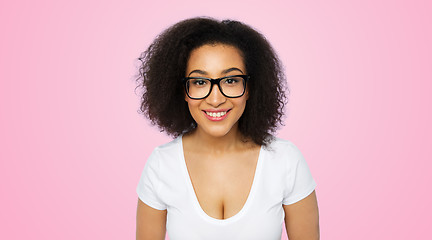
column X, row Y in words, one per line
column 230, row 86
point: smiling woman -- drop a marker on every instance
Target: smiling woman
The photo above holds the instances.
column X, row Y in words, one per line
column 218, row 88
column 216, row 61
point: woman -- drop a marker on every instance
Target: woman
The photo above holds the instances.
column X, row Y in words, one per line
column 217, row 87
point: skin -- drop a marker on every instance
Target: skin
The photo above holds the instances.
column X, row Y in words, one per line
column 223, row 167
column 214, row 61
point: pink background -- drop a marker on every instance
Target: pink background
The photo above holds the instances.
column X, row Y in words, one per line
column 73, row 145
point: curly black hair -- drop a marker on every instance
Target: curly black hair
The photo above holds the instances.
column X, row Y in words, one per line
column 164, row 65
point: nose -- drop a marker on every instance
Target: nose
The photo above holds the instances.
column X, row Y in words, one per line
column 216, row 98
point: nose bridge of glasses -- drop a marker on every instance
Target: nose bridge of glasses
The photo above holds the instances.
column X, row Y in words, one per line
column 215, row 84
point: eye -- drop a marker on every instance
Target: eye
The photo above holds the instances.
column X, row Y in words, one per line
column 231, row 81
column 198, row 82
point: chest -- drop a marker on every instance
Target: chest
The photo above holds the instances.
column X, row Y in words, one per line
column 222, row 186
column 225, row 201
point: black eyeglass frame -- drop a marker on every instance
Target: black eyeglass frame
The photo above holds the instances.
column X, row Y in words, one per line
column 217, row 82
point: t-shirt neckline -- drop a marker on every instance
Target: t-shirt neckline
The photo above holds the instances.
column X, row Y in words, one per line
column 196, row 204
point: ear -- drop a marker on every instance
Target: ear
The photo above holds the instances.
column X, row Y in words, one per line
column 186, row 98
column 247, row 92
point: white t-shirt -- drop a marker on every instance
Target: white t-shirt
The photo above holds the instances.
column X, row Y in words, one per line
column 282, row 176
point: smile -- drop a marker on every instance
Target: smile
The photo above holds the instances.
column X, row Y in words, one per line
column 216, row 115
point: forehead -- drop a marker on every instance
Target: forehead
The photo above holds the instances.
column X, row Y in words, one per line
column 214, row 58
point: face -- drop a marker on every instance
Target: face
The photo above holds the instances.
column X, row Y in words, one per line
column 216, row 115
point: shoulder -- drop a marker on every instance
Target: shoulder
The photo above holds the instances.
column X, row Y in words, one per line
column 284, row 153
column 166, row 152
column 173, row 145
column 282, row 147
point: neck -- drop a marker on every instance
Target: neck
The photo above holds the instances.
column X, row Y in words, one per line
column 215, row 144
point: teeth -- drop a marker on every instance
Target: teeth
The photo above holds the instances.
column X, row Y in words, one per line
column 214, row 114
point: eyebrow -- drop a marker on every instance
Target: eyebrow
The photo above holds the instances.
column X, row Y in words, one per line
column 223, row 72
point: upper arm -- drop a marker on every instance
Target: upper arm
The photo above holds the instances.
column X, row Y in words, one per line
column 151, row 209
column 150, row 222
column 302, row 219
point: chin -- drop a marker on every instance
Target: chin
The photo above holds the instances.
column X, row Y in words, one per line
column 216, row 132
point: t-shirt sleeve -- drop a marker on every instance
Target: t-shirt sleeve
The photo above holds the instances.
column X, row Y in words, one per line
column 149, row 183
column 300, row 182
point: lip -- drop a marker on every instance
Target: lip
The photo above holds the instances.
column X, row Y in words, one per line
column 216, row 111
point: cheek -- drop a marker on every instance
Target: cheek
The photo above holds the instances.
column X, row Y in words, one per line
column 193, row 106
column 241, row 104
column 242, row 101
